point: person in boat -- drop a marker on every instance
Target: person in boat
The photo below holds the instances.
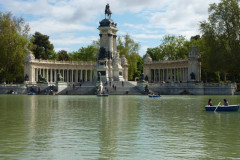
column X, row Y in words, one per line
column 210, row 102
column 225, row 102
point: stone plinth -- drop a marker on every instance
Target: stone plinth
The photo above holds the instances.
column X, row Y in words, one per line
column 61, row 86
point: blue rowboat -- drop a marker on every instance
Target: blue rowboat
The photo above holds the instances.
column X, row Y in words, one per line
column 153, row 96
column 102, row 95
column 32, row 93
column 222, row 108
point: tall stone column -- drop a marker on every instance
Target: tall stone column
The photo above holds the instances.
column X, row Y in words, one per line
column 67, row 75
column 114, row 42
column 171, row 75
column 64, row 79
column 81, row 75
column 36, row 78
column 110, row 43
column 55, row 75
column 76, row 76
column 90, row 75
column 51, row 79
column 159, row 77
column 85, row 75
column 167, row 76
column 174, row 75
column 44, row 73
column 47, row 75
column 72, row 77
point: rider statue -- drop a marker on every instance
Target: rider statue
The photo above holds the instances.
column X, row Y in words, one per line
column 108, row 11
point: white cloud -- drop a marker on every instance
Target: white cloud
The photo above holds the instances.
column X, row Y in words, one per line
column 147, row 36
column 154, row 18
column 48, row 26
column 70, row 40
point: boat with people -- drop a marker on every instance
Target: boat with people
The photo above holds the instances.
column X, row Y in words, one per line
column 153, row 96
column 222, row 108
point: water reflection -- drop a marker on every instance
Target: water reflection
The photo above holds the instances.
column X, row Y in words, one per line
column 116, row 127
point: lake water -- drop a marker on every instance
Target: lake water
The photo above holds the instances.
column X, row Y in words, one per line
column 117, row 127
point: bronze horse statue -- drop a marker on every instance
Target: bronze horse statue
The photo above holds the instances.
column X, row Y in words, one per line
column 108, row 11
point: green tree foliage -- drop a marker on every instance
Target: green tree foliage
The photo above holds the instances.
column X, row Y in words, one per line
column 62, row 56
column 127, row 47
column 221, row 35
column 13, row 47
column 42, row 48
column 84, row 54
column 171, row 48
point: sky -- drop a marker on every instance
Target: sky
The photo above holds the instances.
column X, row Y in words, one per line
column 72, row 24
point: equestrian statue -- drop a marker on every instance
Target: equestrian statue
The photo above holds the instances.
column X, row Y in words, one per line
column 108, row 11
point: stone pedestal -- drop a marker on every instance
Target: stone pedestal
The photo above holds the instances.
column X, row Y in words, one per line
column 61, row 86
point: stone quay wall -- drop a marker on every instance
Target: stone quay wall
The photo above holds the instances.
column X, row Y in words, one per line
column 193, row 88
column 157, row 88
column 18, row 88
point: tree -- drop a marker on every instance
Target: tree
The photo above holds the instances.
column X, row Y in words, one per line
column 127, row 47
column 42, row 48
column 84, row 54
column 221, row 33
column 13, row 46
column 62, row 56
column 171, row 48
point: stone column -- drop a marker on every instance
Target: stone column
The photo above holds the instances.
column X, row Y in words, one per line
column 51, row 80
column 171, row 75
column 76, row 76
column 64, row 79
column 174, row 75
column 185, row 71
column 81, row 75
column 55, row 75
column 72, row 76
column 163, row 75
column 159, row 77
column 67, row 75
column 36, row 78
column 85, row 75
column 110, row 42
column 90, row 75
column 44, row 73
column 47, row 75
column 167, row 76
column 114, row 43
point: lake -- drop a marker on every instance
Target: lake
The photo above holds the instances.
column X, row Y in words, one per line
column 117, row 127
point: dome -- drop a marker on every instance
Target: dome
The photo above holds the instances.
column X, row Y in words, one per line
column 107, row 23
column 29, row 57
column 147, row 58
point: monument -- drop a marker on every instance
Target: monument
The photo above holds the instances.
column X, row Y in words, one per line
column 111, row 67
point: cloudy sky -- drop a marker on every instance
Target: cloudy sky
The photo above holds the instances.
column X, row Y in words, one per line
column 72, row 24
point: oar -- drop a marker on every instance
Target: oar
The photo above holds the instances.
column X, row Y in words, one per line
column 217, row 107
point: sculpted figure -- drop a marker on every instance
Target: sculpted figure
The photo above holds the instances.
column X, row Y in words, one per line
column 192, row 75
column 41, row 79
column 26, row 78
column 141, row 78
column 108, row 11
column 59, row 77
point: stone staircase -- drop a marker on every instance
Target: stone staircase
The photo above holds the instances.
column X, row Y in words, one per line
column 89, row 88
column 84, row 88
column 122, row 88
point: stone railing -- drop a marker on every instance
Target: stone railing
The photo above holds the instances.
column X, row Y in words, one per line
column 90, row 63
